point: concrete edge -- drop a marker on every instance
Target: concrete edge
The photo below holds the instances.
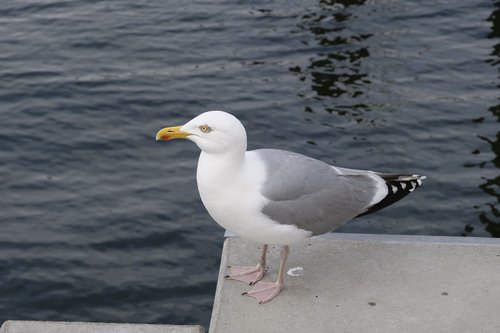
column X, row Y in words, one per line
column 218, row 290
column 27, row 326
column 402, row 238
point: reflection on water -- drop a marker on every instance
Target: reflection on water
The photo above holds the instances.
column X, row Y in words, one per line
column 348, row 75
column 489, row 214
column 334, row 73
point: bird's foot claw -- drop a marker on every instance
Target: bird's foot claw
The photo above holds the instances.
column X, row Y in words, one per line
column 248, row 274
column 264, row 291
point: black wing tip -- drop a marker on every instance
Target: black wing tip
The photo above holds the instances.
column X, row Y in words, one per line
column 398, row 186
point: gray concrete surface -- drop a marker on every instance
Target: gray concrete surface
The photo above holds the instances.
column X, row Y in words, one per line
column 368, row 283
column 18, row 326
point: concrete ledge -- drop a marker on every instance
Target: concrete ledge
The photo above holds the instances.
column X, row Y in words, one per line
column 15, row 326
column 368, row 283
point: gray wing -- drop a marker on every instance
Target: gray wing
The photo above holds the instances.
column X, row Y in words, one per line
column 311, row 194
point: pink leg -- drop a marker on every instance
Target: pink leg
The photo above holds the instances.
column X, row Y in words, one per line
column 266, row 291
column 249, row 274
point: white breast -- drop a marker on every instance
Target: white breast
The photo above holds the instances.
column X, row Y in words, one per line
column 230, row 191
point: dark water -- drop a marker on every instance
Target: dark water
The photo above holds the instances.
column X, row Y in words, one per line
column 99, row 222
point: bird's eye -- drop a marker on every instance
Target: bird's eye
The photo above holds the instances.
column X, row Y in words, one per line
column 205, row 128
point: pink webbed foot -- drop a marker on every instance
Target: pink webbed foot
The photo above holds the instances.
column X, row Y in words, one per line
column 265, row 291
column 248, row 274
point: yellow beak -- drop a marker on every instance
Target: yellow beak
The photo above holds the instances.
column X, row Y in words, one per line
column 169, row 133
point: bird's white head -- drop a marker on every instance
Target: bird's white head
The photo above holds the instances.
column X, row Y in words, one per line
column 214, row 132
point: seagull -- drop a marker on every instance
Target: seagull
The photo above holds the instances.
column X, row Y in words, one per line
column 273, row 196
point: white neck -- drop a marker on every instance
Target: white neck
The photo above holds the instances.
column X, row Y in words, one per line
column 221, row 166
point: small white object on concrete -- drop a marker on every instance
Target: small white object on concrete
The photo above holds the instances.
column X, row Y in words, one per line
column 18, row 326
column 369, row 283
column 295, row 271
